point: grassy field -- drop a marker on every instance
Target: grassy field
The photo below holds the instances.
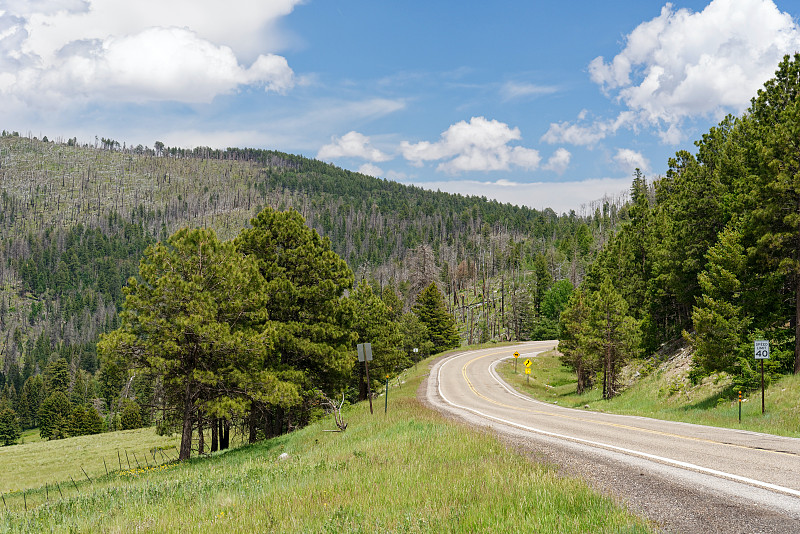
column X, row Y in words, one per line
column 405, row 471
column 36, row 463
column 665, row 392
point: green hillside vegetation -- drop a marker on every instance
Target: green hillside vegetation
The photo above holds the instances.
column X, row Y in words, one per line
column 407, row 471
column 709, row 253
column 76, row 220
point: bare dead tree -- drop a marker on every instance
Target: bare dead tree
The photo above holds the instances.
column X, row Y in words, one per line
column 335, row 408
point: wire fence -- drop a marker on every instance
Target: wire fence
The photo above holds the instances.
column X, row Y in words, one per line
column 127, row 463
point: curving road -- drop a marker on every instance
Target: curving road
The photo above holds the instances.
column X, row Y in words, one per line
column 686, row 477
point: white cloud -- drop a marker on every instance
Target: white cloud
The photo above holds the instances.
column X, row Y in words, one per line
column 684, row 64
column 477, row 145
column 585, row 132
column 182, row 50
column 352, row 145
column 514, row 90
column 561, row 197
column 559, row 161
column 371, row 170
column 628, row 160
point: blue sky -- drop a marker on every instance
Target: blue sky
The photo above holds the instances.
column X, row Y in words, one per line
column 545, row 104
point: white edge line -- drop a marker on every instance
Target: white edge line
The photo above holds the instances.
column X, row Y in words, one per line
column 631, row 452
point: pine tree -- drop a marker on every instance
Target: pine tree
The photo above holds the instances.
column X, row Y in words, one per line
column 372, row 321
column 613, row 334
column 573, row 344
column 54, row 416
column 194, row 320
column 775, row 129
column 10, row 430
column 131, row 416
column 432, row 312
column 720, row 324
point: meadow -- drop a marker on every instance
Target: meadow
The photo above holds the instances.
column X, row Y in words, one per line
column 408, row 470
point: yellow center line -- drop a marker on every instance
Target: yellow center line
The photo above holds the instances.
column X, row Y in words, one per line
column 605, row 423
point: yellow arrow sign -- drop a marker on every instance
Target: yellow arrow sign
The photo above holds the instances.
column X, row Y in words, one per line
column 528, row 362
column 516, row 354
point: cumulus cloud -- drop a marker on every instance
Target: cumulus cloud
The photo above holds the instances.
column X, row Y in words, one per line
column 629, row 160
column 583, row 132
column 477, row 145
column 684, row 64
column 182, row 50
column 371, row 170
column 559, row 161
column 352, row 145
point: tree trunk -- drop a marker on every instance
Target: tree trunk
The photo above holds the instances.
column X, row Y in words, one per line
column 201, row 441
column 186, row 435
column 252, row 423
column 797, row 325
column 214, row 435
column 225, row 434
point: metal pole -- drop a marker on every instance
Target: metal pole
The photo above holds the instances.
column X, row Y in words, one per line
column 740, row 406
column 369, row 389
column 386, row 401
column 762, row 387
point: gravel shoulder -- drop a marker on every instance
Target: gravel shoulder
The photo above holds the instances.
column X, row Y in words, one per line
column 705, row 505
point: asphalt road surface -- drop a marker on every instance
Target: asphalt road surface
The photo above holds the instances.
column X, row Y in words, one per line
column 683, row 477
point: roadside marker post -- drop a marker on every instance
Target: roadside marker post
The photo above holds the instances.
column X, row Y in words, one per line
column 740, row 406
column 386, row 401
column 365, row 355
column 761, row 350
column 528, row 363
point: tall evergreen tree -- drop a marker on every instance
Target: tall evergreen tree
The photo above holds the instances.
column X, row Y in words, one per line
column 54, row 416
column 720, row 323
column 10, row 430
column 775, row 122
column 613, row 334
column 195, row 319
column 432, row 312
column 573, row 343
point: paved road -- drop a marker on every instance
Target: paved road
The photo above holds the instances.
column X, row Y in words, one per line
column 744, row 473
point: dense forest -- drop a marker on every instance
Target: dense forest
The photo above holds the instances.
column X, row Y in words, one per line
column 710, row 253
column 76, row 219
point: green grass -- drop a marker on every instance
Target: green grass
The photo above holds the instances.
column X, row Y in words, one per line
column 407, row 471
column 36, row 463
column 666, row 393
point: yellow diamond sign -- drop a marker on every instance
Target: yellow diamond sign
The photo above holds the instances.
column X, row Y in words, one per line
column 528, row 362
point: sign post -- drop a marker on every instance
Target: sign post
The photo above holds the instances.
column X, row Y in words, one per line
column 365, row 355
column 761, row 349
column 516, row 357
column 740, row 406
column 386, row 400
column 528, row 363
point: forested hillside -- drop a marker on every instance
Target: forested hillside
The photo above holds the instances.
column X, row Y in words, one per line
column 76, row 219
column 710, row 253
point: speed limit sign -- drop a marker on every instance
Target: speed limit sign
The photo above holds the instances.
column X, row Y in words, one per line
column 761, row 350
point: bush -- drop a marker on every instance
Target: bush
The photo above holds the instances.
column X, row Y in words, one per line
column 131, row 416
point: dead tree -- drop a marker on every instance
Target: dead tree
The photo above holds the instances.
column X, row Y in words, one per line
column 335, row 408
